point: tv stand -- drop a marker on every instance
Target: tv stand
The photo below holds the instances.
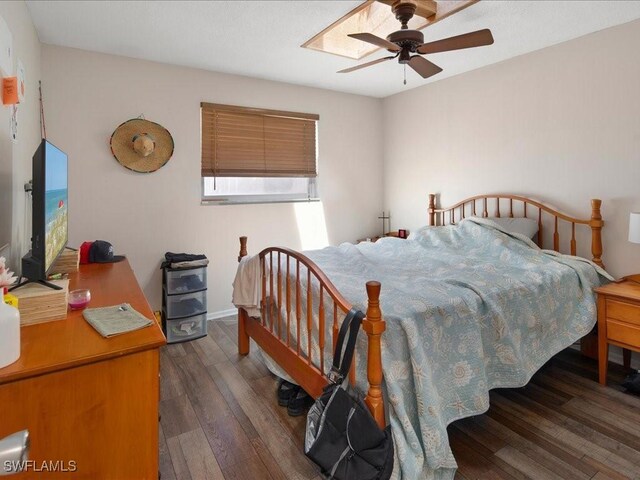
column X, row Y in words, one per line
column 41, row 282
column 34, row 271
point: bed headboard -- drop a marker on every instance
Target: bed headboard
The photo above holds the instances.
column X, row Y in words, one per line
column 504, row 205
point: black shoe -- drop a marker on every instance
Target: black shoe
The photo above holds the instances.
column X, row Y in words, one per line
column 299, row 403
column 286, row 390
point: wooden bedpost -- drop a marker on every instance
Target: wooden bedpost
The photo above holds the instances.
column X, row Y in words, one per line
column 243, row 337
column 243, row 248
column 374, row 325
column 596, row 224
column 432, row 209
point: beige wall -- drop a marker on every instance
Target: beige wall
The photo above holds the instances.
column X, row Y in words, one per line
column 89, row 94
column 15, row 158
column 561, row 124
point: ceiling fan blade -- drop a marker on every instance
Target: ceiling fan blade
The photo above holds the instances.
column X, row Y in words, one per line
column 368, row 64
column 380, row 42
column 467, row 40
column 423, row 66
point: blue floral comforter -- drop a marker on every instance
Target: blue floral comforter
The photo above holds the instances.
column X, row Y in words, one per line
column 468, row 308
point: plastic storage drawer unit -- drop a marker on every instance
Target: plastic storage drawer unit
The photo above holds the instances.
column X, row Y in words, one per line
column 184, row 303
column 186, row 281
column 183, row 329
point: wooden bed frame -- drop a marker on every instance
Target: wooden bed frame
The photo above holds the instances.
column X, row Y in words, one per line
column 272, row 330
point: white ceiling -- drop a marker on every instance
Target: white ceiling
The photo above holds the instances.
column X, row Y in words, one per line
column 262, row 38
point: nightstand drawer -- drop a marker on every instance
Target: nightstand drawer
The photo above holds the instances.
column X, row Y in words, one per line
column 623, row 333
column 623, row 311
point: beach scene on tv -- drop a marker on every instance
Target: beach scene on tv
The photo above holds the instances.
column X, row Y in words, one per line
column 55, row 203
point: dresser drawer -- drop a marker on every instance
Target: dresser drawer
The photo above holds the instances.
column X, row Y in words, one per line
column 623, row 333
column 625, row 312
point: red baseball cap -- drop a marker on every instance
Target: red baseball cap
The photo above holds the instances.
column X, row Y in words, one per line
column 84, row 252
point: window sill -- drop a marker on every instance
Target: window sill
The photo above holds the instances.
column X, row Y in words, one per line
column 238, row 201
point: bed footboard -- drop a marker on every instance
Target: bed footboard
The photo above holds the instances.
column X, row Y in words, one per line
column 285, row 275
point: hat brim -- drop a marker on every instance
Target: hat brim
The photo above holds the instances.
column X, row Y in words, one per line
column 122, row 146
column 114, row 259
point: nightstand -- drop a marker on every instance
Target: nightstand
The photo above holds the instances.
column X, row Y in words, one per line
column 618, row 322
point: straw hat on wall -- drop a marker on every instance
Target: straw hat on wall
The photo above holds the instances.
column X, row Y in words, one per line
column 141, row 145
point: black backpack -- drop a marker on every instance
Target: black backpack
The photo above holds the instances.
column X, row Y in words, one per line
column 342, row 437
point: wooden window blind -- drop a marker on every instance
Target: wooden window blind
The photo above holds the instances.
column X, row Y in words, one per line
column 251, row 142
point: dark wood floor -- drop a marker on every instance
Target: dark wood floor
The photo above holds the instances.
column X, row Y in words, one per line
column 220, row 420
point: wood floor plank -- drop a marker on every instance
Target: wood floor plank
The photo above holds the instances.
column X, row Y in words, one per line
column 561, row 431
column 227, row 438
column 497, row 420
column 604, row 470
column 591, row 388
column 170, row 384
column 228, row 441
column 208, row 350
column 249, row 468
column 623, row 428
column 198, row 456
column 287, row 453
column 174, row 350
column 543, row 396
column 553, row 458
column 247, row 365
column 266, row 388
column 177, row 459
column 178, row 416
column 232, row 402
column 267, row 459
column 525, row 464
column 474, row 461
column 470, row 463
column 165, row 465
column 479, row 434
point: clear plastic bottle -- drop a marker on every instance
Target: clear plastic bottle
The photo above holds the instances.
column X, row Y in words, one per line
column 9, row 332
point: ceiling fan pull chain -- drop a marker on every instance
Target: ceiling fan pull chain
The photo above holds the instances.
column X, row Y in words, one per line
column 405, row 73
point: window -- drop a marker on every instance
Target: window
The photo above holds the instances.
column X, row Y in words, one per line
column 255, row 155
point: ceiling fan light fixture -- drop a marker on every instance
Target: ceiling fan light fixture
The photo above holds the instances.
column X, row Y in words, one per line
column 407, row 42
column 376, row 17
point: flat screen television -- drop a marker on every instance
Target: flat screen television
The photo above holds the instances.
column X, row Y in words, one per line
column 49, row 212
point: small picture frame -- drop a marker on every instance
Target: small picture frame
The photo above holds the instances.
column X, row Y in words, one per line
column 402, row 233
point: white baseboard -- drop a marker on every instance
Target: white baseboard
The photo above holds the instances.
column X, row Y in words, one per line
column 222, row 314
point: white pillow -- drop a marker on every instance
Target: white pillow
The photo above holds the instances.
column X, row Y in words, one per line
column 525, row 226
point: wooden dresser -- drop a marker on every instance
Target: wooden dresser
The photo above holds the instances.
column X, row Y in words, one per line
column 86, row 399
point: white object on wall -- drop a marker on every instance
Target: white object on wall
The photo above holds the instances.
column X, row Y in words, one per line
column 634, row 227
column 6, row 49
column 13, row 124
column 21, row 81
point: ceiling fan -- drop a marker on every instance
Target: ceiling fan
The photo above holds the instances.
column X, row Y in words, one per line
column 408, row 45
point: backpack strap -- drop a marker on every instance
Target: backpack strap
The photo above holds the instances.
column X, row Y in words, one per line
column 342, row 360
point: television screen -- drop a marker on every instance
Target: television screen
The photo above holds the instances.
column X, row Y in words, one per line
column 55, row 203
